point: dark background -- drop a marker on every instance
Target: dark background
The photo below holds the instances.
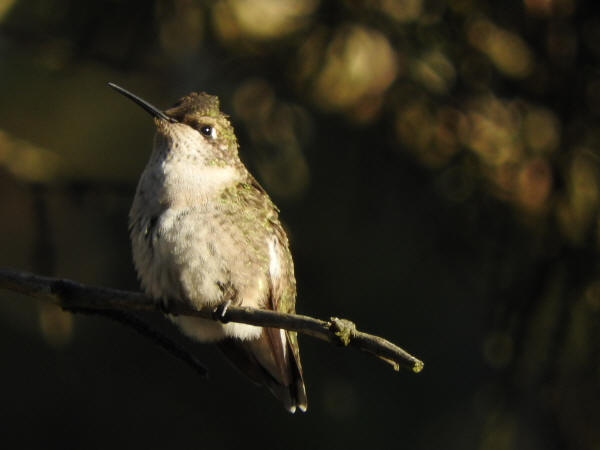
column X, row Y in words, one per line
column 437, row 165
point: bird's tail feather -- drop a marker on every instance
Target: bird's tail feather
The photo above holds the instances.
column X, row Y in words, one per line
column 266, row 361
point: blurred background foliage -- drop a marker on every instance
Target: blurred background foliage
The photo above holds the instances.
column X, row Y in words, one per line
column 437, row 164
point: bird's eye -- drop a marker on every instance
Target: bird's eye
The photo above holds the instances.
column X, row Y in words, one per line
column 206, row 130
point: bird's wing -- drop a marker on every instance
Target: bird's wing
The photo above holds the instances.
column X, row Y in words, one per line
column 274, row 358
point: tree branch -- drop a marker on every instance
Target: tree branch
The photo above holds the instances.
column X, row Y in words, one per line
column 74, row 296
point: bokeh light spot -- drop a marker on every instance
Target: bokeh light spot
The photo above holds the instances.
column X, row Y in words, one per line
column 261, row 19
column 360, row 65
column 27, row 161
column 509, row 53
column 402, row 10
column 435, row 71
column 542, row 130
column 56, row 325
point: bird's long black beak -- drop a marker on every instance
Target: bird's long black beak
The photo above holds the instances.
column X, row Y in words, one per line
column 143, row 103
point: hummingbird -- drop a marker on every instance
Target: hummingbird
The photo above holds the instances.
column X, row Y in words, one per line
column 204, row 232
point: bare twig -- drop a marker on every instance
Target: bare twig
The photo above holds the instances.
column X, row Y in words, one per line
column 71, row 295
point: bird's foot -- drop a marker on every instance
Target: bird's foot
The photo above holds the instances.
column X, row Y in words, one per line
column 220, row 311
